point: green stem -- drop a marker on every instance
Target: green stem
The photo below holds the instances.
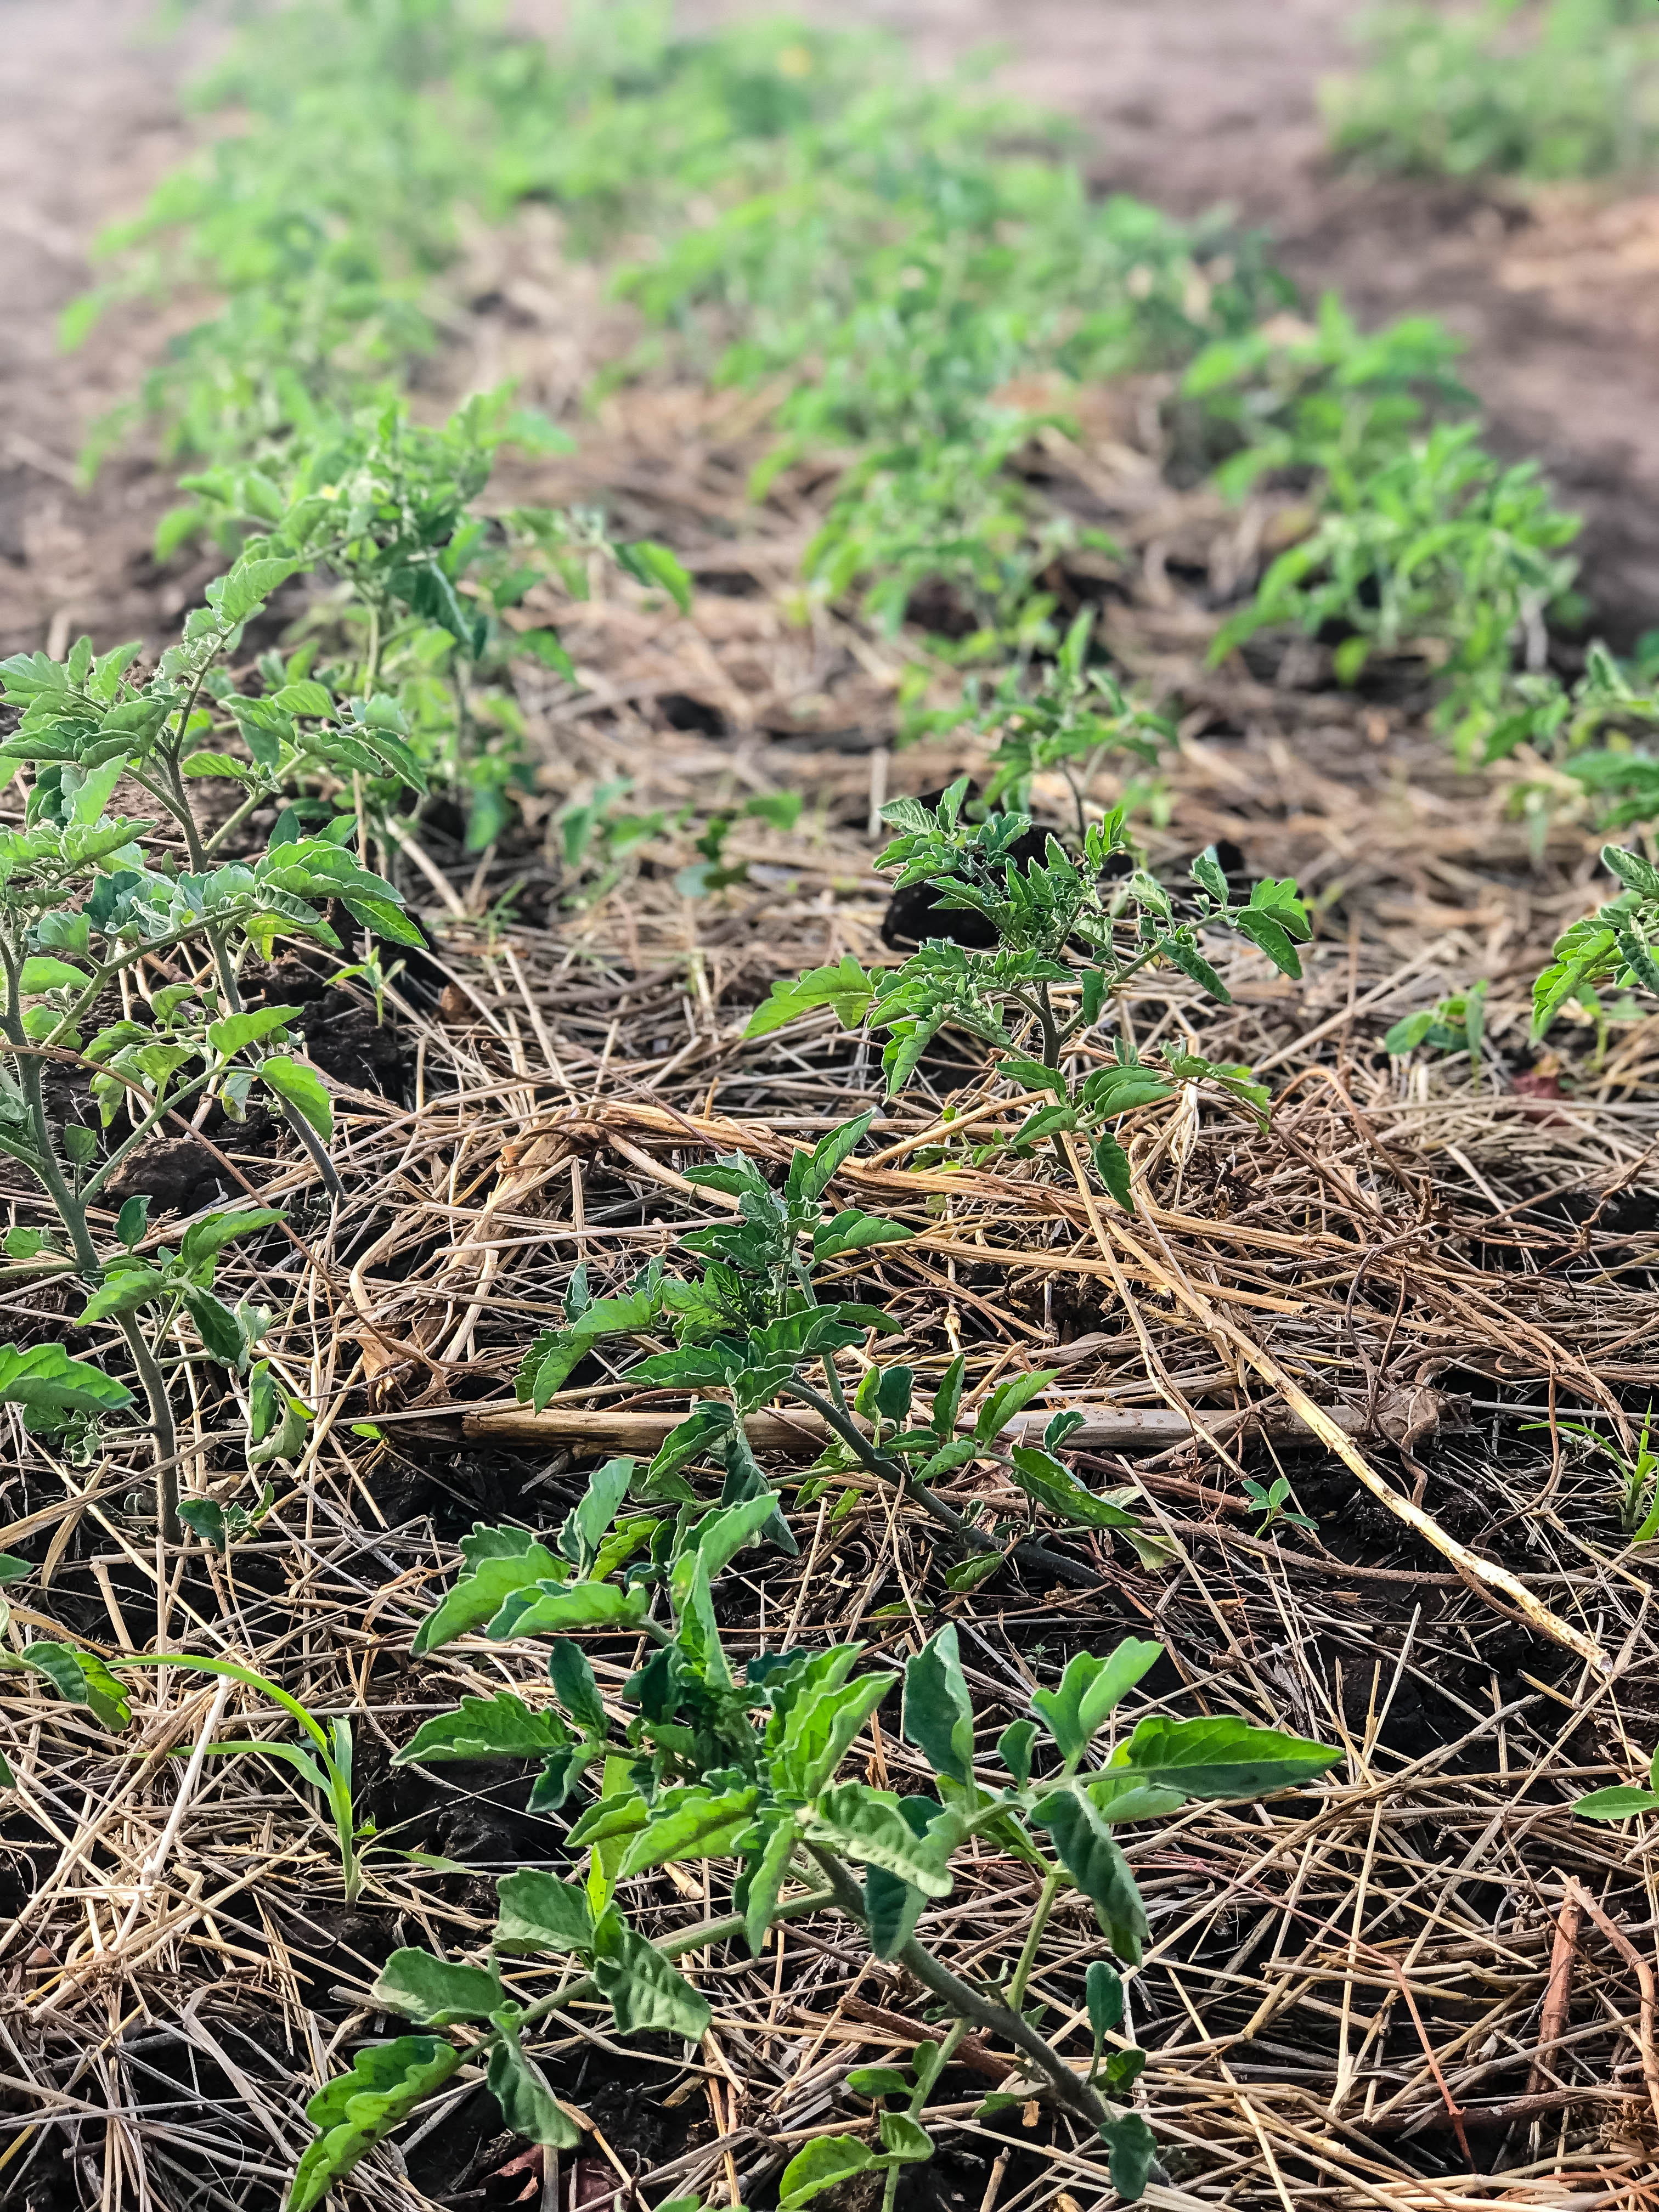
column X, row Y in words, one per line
column 233, row 822
column 969, row 2005
column 889, row 1470
column 706, row 1933
column 71, row 1212
column 169, row 1104
column 1045, row 1904
column 1050, row 1029
column 160, row 1415
column 954, row 2034
column 231, row 992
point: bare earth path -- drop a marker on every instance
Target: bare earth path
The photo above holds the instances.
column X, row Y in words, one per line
column 89, row 120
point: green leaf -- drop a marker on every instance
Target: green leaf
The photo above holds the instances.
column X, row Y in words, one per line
column 905, row 2140
column 358, row 2109
column 1090, row 1689
column 298, row 1086
column 1008, row 1398
column 1191, row 962
column 619, row 1813
column 1042, row 1476
column 947, row 1398
column 1636, row 874
column 27, row 1243
column 41, row 973
column 205, row 1519
column 235, row 1031
column 205, row 1239
column 132, row 1220
column 717, row 1539
column 46, row 1380
column 307, row 698
column 538, row 1913
column 434, row 1992
column 845, row 986
column 651, row 563
column 1047, row 1122
column 478, row 1596
column 820, row 1728
column 862, row 1826
column 852, row 1231
column 644, row 1990
column 123, row 1291
column 545, row 645
column 939, row 1712
column 1218, row 1758
column 501, row 1727
column 702, row 1826
column 810, row 1174
column 1014, row 1749
column 217, row 1326
column 80, row 1679
column 565, row 1606
column 765, row 1879
column 821, row 2164
column 12, row 1569
column 892, row 1906
column 1132, row 2149
column 1580, row 955
column 583, row 1532
column 1097, row 1866
column 574, row 1685
column 968, row 1574
column 1103, row 1990
column 1112, row 1165
column 878, row 2081
column 1616, row 1804
column 528, row 2106
column 248, row 586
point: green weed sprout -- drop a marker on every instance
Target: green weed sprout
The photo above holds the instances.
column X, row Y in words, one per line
column 1638, row 1497
column 80, row 1679
column 707, row 1767
column 1454, row 1024
column 1270, row 1504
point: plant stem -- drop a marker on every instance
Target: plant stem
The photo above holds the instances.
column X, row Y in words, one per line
column 71, row 1212
column 707, row 1932
column 891, row 1471
column 161, row 1414
column 969, row 2005
column 296, row 1120
column 1046, row 1897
